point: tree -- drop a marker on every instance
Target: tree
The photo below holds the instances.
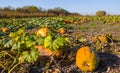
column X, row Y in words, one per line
column 31, row 9
column 58, row 11
column 61, row 10
column 7, row 8
column 22, row 10
column 100, row 13
column 75, row 14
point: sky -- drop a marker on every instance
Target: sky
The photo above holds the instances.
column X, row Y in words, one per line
column 86, row 7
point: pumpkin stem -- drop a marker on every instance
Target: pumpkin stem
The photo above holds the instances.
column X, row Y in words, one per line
column 87, row 65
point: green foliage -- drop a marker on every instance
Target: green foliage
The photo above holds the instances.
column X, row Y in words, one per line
column 100, row 13
column 93, row 26
column 29, row 56
column 40, row 41
column 48, row 42
column 19, row 41
column 18, row 48
column 54, row 43
column 82, row 39
column 31, row 11
column 83, row 28
column 16, row 35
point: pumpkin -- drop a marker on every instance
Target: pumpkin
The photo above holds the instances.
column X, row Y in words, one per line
column 87, row 59
column 43, row 32
column 82, row 21
column 76, row 22
column 67, row 21
column 3, row 29
column 62, row 30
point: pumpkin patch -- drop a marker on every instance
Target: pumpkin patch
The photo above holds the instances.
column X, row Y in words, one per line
column 51, row 44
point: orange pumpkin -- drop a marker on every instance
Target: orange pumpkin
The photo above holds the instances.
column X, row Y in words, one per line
column 67, row 21
column 87, row 59
column 43, row 32
column 76, row 22
column 3, row 29
column 62, row 30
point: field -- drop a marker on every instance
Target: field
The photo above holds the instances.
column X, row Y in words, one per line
column 22, row 43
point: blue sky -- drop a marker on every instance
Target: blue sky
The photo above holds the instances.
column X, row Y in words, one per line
column 80, row 6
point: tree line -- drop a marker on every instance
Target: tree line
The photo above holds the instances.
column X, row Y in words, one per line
column 33, row 11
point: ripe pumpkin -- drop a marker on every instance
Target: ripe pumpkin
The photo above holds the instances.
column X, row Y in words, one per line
column 76, row 22
column 43, row 32
column 62, row 30
column 87, row 59
column 67, row 21
column 3, row 29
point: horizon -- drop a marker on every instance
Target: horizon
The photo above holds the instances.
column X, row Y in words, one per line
column 84, row 7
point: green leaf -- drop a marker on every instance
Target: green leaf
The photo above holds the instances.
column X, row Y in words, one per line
column 13, row 34
column 1, row 54
column 29, row 56
column 48, row 42
column 23, row 57
column 54, row 44
column 4, row 41
column 16, row 46
column 58, row 42
column 9, row 43
column 34, row 54
column 17, row 38
column 20, row 31
column 30, row 43
column 82, row 39
column 40, row 41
